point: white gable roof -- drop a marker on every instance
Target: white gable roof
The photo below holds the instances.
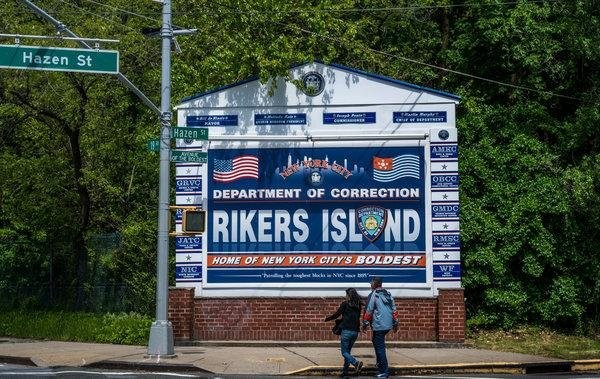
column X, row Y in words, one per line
column 343, row 86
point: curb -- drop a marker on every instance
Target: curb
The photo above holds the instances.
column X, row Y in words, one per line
column 147, row 366
column 23, row 361
column 583, row 365
column 460, row 368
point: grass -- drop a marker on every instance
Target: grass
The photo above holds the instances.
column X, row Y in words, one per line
column 124, row 328
column 537, row 341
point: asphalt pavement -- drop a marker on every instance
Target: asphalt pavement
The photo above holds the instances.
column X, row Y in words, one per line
column 270, row 358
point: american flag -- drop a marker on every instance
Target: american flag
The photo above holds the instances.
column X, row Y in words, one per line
column 390, row 169
column 229, row 170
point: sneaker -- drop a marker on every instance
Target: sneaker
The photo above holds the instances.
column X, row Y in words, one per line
column 359, row 366
column 383, row 376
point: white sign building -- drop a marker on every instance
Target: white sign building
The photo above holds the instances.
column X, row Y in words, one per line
column 320, row 187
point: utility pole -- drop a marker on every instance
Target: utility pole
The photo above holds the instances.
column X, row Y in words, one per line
column 161, row 332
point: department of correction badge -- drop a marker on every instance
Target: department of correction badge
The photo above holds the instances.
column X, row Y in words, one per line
column 371, row 220
column 315, row 179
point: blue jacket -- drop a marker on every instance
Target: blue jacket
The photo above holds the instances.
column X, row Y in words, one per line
column 381, row 310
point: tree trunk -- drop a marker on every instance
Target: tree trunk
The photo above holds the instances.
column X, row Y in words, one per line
column 79, row 246
column 445, row 29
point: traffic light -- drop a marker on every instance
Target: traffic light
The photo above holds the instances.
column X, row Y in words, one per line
column 194, row 221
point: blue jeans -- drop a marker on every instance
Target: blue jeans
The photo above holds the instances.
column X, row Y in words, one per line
column 347, row 339
column 379, row 346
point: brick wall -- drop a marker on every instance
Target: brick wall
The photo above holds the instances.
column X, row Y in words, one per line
column 416, row 319
column 301, row 319
column 451, row 315
column 181, row 307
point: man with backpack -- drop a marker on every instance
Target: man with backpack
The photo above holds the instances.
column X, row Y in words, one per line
column 381, row 315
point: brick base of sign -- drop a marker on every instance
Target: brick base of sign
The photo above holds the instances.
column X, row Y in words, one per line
column 441, row 318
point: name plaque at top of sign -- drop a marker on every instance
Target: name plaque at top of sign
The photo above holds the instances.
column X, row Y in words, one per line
column 419, row 117
column 349, row 118
column 212, row 120
column 280, row 119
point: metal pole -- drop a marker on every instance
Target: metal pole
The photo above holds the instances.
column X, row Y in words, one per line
column 161, row 332
column 63, row 29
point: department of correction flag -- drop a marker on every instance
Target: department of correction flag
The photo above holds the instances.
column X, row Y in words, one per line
column 390, row 169
column 229, row 170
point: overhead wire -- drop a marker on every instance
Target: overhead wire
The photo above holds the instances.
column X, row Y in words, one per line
column 136, row 14
column 390, row 55
column 440, row 68
column 97, row 15
column 124, row 11
column 152, row 62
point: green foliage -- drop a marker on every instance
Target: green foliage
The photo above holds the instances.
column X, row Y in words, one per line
column 537, row 341
column 128, row 329
column 124, row 328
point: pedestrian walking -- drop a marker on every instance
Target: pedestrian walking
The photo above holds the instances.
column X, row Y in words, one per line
column 350, row 310
column 380, row 314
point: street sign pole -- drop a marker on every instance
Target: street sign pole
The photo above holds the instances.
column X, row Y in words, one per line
column 160, row 342
column 61, row 28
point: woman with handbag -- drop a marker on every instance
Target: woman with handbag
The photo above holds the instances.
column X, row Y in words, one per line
column 350, row 326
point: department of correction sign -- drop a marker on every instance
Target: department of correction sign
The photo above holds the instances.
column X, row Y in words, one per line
column 59, row 59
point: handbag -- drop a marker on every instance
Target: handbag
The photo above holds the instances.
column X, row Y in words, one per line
column 336, row 329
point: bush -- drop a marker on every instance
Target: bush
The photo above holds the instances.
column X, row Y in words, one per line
column 123, row 328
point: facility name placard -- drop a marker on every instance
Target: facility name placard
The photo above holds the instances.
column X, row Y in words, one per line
column 419, row 117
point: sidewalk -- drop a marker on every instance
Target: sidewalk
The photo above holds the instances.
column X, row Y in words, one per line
column 277, row 358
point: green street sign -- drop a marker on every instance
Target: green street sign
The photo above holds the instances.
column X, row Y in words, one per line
column 59, row 59
column 188, row 156
column 154, row 145
column 189, row 133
